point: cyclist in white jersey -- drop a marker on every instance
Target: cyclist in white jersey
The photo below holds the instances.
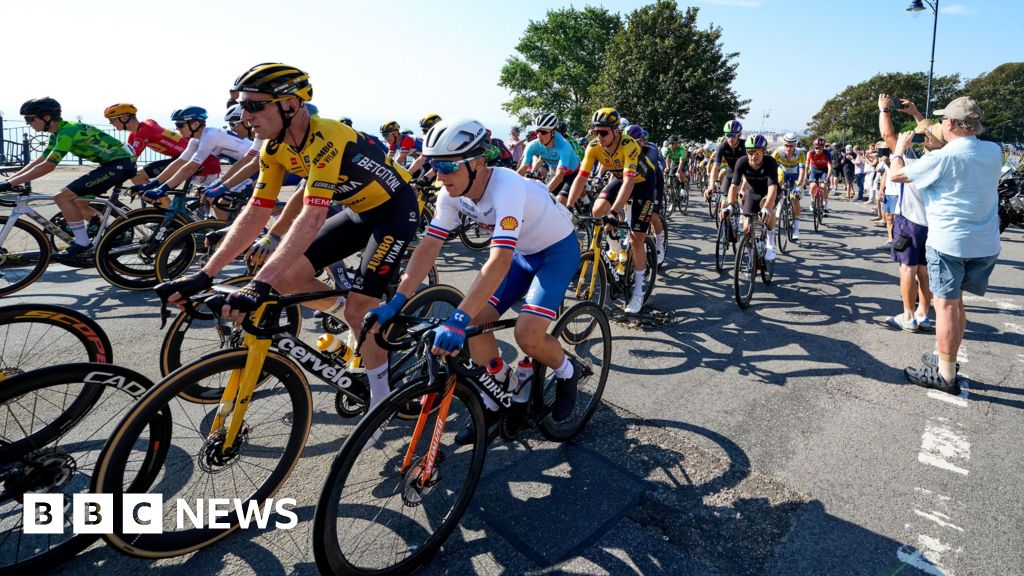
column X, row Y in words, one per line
column 534, row 253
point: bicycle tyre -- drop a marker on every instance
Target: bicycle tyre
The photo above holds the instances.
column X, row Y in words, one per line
column 98, row 378
column 23, row 264
column 474, row 236
column 162, row 396
column 422, row 304
column 574, row 292
column 683, row 200
column 189, row 241
column 721, row 245
column 569, row 428
column 785, row 226
column 745, row 256
column 670, row 198
column 128, row 238
column 34, row 324
column 327, row 547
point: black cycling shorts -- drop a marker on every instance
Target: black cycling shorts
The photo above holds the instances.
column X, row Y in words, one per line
column 102, row 178
column 641, row 201
column 566, row 186
column 383, row 234
column 752, row 202
column 153, row 169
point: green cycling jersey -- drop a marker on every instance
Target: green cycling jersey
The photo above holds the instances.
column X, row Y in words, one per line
column 676, row 155
column 86, row 142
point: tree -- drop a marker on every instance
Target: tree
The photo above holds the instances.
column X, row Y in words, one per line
column 1000, row 93
column 667, row 75
column 856, row 107
column 559, row 59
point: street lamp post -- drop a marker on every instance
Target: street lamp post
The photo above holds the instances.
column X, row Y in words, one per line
column 918, row 6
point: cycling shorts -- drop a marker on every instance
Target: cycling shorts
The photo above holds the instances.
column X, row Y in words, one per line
column 383, row 234
column 751, row 203
column 789, row 179
column 153, row 169
column 543, row 277
column 566, row 185
column 101, row 179
column 819, row 174
column 641, row 201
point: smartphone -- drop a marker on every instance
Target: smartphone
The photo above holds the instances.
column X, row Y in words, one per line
column 895, row 104
column 917, row 138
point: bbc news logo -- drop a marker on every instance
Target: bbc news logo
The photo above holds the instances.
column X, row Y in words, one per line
column 144, row 513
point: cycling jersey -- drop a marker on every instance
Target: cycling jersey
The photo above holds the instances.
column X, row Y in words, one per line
column 560, row 155
column 338, row 163
column 676, row 155
column 167, row 142
column 407, row 144
column 625, row 161
column 819, row 159
column 729, row 155
column 524, row 216
column 215, row 143
column 759, row 178
column 790, row 164
column 87, row 142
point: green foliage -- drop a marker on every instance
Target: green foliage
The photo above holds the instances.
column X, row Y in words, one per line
column 664, row 73
column 856, row 108
column 559, row 59
column 1000, row 93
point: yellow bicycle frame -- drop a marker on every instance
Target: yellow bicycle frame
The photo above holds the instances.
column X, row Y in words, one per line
column 242, row 383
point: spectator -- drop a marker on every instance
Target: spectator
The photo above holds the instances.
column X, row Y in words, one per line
column 870, row 161
column 837, row 165
column 849, row 169
column 958, row 184
column 516, row 145
column 858, row 171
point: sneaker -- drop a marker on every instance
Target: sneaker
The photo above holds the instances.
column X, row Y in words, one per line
column 929, row 377
column 899, row 322
column 769, row 253
column 661, row 255
column 74, row 249
column 932, row 361
column 924, row 323
column 635, row 304
column 491, row 419
column 886, row 247
column 565, row 392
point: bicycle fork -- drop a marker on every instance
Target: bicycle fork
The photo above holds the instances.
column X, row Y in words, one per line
column 241, row 385
column 430, row 459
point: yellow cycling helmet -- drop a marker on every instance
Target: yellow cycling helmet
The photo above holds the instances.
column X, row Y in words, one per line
column 277, row 79
column 429, row 120
column 389, row 127
column 119, row 110
column 607, row 117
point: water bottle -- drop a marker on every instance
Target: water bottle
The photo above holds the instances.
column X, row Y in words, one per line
column 621, row 265
column 501, row 373
column 524, row 378
column 334, row 346
column 613, row 256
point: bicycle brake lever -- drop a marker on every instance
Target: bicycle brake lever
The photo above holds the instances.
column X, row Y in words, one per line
column 164, row 313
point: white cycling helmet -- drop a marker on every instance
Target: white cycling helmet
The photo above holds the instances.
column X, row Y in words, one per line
column 624, row 123
column 710, row 147
column 546, row 121
column 789, row 138
column 459, row 137
column 234, row 114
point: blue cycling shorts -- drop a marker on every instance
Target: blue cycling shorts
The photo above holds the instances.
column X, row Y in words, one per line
column 819, row 175
column 542, row 277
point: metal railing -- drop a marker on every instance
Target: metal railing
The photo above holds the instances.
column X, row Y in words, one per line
column 21, row 145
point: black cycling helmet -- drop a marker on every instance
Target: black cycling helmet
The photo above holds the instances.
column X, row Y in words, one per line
column 41, row 107
column 562, row 127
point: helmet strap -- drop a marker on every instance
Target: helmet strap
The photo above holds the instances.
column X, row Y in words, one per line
column 286, row 123
column 46, row 125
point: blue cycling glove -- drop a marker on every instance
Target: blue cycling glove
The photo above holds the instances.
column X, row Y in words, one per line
column 452, row 334
column 216, row 191
column 388, row 311
column 157, row 193
column 153, row 183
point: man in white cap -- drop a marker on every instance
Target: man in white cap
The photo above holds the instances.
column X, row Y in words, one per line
column 959, row 184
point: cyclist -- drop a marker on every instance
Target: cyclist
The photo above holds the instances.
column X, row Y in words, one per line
column 632, row 181
column 791, row 160
column 343, row 166
column 819, row 167
column 534, row 254
column 761, row 173
column 676, row 155
column 400, row 146
column 553, row 149
column 116, row 164
column 420, row 167
column 144, row 134
column 652, row 153
column 728, row 152
column 205, row 141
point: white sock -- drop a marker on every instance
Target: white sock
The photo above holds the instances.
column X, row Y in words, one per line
column 771, row 237
column 796, row 225
column 826, row 204
column 659, row 241
column 379, row 388
column 338, row 309
column 638, row 282
column 80, row 231
column 565, row 370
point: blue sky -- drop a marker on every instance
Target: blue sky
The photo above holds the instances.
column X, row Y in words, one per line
column 403, row 59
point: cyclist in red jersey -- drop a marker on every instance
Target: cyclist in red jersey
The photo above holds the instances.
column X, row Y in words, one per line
column 819, row 166
column 144, row 134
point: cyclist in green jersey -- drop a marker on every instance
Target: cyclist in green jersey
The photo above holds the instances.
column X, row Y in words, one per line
column 675, row 153
column 116, row 164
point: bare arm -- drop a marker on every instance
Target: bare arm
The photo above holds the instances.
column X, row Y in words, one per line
column 240, row 171
column 294, row 244
column 182, row 174
column 35, row 169
column 288, row 215
column 423, row 257
column 240, row 236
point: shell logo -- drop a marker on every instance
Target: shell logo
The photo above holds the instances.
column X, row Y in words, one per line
column 509, row 223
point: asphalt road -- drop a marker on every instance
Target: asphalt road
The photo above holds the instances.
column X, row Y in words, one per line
column 781, row 439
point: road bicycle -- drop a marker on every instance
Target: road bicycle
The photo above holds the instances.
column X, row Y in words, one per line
column 598, row 277
column 726, row 236
column 818, row 193
column 38, row 335
column 677, row 196
column 750, row 260
column 243, row 434
column 28, row 241
column 398, row 488
column 784, row 213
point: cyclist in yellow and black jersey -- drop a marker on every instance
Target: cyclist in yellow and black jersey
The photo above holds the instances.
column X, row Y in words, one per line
column 339, row 164
column 632, row 181
column 791, row 162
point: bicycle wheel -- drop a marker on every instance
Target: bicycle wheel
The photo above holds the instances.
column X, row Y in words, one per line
column 585, row 333
column 721, row 245
column 186, row 251
column 818, row 206
column 785, row 226
column 38, row 335
column 650, row 273
column 767, row 270
column 55, row 421
column 682, row 200
column 197, row 466
column 474, row 236
column 24, row 256
column 437, row 302
column 670, row 198
column 376, row 516
column 586, row 286
column 744, row 271
column 190, row 338
column 126, row 254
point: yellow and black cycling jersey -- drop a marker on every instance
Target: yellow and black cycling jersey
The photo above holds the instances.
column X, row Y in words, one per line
column 791, row 164
column 625, row 161
column 338, row 163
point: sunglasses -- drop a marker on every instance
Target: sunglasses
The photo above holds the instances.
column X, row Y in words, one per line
column 180, row 125
column 447, row 167
column 732, row 135
column 602, row 133
column 543, row 132
column 30, row 119
column 755, row 152
column 254, row 106
column 790, row 145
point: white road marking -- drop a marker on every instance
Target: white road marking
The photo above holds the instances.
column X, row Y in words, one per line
column 939, row 518
column 919, row 560
column 941, row 445
column 960, row 400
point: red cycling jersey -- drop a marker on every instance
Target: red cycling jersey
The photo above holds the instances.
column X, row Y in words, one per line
column 166, row 142
column 407, row 143
column 819, row 160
